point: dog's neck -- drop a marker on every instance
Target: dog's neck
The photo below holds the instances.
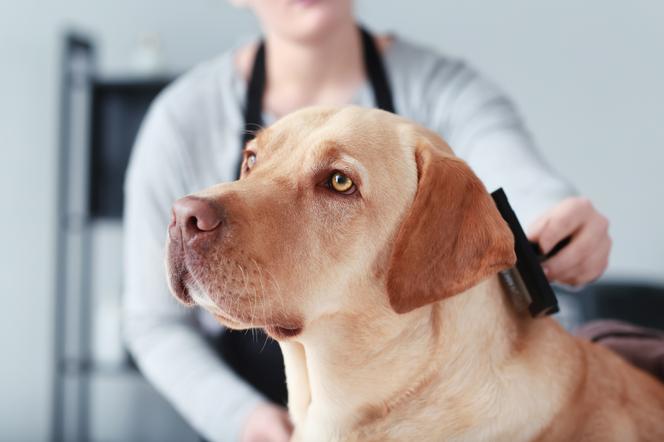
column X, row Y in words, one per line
column 347, row 375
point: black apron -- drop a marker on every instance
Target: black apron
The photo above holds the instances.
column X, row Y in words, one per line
column 252, row 354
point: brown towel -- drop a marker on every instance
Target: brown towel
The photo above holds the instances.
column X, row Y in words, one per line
column 643, row 347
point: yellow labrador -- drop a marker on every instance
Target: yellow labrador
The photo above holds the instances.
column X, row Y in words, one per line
column 370, row 252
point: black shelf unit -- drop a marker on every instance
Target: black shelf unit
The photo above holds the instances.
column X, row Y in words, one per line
column 99, row 119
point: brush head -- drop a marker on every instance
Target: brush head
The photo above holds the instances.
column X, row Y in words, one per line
column 527, row 274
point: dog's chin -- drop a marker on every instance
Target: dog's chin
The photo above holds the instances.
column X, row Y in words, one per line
column 178, row 283
column 184, row 288
column 233, row 321
column 229, row 322
column 279, row 331
column 179, row 278
column 282, row 333
column 188, row 294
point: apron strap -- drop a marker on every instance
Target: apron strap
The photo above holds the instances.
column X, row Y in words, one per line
column 373, row 63
column 253, row 119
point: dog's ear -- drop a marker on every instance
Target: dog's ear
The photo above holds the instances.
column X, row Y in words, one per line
column 452, row 238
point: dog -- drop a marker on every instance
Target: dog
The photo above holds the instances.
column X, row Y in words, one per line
column 359, row 241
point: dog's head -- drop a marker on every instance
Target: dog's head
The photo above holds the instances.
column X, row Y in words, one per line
column 337, row 210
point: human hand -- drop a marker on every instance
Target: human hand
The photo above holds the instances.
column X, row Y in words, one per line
column 267, row 423
column 586, row 257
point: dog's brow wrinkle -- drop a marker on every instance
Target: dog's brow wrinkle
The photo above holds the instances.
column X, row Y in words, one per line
column 260, row 138
column 331, row 149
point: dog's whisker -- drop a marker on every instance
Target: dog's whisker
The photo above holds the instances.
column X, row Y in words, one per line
column 235, row 304
column 263, row 294
column 277, row 291
column 200, row 297
column 244, row 277
column 258, row 298
column 260, row 276
column 263, row 308
column 264, row 343
column 245, row 280
column 254, row 304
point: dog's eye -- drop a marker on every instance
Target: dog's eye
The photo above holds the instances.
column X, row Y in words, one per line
column 251, row 160
column 341, row 183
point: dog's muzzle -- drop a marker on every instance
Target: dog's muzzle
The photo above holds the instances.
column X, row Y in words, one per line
column 194, row 223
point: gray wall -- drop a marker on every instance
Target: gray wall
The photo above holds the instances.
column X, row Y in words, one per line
column 587, row 76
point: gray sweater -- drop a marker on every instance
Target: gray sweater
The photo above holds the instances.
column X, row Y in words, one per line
column 190, row 140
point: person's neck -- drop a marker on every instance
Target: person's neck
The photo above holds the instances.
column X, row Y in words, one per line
column 349, row 375
column 323, row 71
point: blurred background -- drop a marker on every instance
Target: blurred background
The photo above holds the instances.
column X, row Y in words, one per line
column 76, row 76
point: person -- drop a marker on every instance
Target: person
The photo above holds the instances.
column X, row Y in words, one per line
column 192, row 138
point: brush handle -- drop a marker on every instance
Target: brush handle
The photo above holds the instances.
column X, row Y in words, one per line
column 554, row 251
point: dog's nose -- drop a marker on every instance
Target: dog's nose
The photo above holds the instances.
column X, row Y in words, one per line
column 193, row 215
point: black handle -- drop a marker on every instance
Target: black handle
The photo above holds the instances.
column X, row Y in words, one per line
column 554, row 251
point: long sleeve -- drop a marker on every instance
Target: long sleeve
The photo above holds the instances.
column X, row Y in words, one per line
column 162, row 335
column 484, row 128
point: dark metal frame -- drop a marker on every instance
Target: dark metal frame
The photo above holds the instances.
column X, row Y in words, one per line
column 73, row 246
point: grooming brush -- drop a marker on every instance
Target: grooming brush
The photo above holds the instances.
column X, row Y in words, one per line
column 526, row 281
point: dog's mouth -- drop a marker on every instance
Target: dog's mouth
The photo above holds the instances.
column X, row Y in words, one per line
column 280, row 332
column 179, row 277
column 189, row 288
column 186, row 290
column 283, row 332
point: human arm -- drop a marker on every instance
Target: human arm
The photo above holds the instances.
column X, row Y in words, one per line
column 485, row 129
